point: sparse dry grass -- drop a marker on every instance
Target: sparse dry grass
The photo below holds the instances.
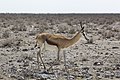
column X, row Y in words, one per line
column 17, row 37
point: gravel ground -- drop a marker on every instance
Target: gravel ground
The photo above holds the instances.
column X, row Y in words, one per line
column 99, row 60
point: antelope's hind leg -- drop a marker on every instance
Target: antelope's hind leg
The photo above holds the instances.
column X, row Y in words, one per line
column 38, row 60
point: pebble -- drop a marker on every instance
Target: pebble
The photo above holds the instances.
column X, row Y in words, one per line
column 20, row 78
column 98, row 63
column 32, row 48
column 10, row 60
column 25, row 50
column 1, row 77
column 19, row 61
column 106, row 53
column 85, row 68
column 117, row 66
column 115, row 47
column 26, row 63
column 85, row 59
column 13, row 76
column 108, row 74
column 117, row 74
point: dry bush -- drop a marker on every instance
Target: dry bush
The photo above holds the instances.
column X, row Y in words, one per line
column 34, row 32
column 63, row 27
column 108, row 27
column 69, row 23
column 23, row 28
column 118, row 36
column 52, row 22
column 10, row 42
column 40, row 29
column 6, row 34
column 100, row 31
column 6, row 43
column 34, row 29
column 4, row 25
column 25, row 56
column 90, row 41
column 109, row 22
column 19, row 28
column 72, row 31
column 31, row 33
column 108, row 34
column 116, row 28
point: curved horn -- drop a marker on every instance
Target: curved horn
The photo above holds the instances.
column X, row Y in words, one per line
column 82, row 31
column 82, row 28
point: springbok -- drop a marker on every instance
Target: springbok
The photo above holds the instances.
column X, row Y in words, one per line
column 57, row 40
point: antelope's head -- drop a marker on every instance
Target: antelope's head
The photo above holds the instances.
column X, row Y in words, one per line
column 40, row 39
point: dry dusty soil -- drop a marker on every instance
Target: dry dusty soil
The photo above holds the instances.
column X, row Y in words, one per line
column 98, row 60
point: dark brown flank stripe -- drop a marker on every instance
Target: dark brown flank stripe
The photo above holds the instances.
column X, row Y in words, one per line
column 50, row 42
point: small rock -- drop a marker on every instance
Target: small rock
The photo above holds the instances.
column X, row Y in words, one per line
column 20, row 78
column 99, row 77
column 85, row 59
column 3, row 54
column 89, row 78
column 1, row 77
column 13, row 69
column 71, row 77
column 26, row 63
column 98, row 74
column 11, row 64
column 13, row 76
column 98, row 63
column 115, row 47
column 117, row 74
column 19, row 61
column 25, row 50
column 108, row 74
column 85, row 68
column 101, row 52
column 7, row 50
column 32, row 48
column 41, row 76
column 10, row 60
column 106, row 53
column 118, row 66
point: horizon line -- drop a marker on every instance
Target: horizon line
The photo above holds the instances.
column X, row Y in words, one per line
column 58, row 13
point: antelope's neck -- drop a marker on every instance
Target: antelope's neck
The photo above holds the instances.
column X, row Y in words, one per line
column 74, row 39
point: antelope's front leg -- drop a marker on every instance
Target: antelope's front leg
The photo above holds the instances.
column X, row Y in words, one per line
column 39, row 54
column 58, row 55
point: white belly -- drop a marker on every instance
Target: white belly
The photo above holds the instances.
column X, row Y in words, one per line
column 49, row 47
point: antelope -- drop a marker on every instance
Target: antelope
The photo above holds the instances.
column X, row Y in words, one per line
column 57, row 40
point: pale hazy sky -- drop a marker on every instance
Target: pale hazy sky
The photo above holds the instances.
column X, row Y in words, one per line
column 59, row 6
